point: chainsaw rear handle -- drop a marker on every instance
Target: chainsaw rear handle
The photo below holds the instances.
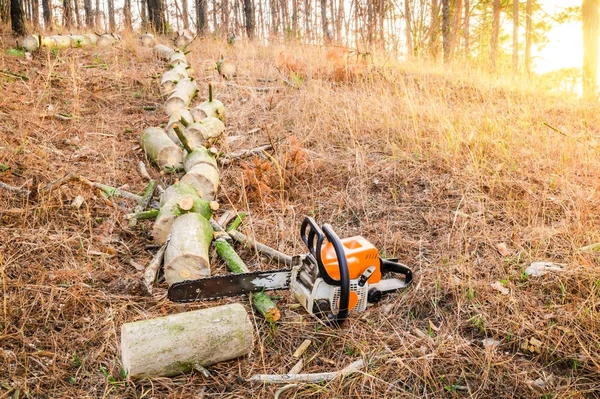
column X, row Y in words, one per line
column 389, row 265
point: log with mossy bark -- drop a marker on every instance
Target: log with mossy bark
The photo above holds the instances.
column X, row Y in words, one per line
column 178, row 343
column 212, row 107
column 160, row 149
column 205, row 179
column 182, row 95
column 261, row 301
column 181, row 118
column 163, row 52
column 173, row 203
column 178, row 58
column 80, row 41
column 186, row 256
column 107, row 40
column 199, row 155
column 169, row 79
column 201, row 133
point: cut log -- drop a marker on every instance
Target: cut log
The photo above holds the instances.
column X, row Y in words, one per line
column 178, row 58
column 182, row 96
column 106, row 40
column 199, row 133
column 186, row 257
column 148, row 40
column 93, row 38
column 198, row 156
column 31, row 43
column 169, row 209
column 261, row 301
column 181, row 118
column 61, row 41
column 160, row 149
column 205, row 179
column 80, row 41
column 171, row 77
column 178, row 343
column 162, row 51
column 209, row 108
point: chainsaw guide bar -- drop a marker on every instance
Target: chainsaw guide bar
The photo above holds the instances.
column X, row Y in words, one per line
column 218, row 287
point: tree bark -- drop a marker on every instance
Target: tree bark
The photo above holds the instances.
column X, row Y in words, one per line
column 143, row 16
column 89, row 16
column 76, row 11
column 225, row 16
column 495, row 35
column 182, row 96
column 466, row 29
column 515, row 46
column 410, row 49
column 250, row 18
column 184, row 14
column 98, row 15
column 36, row 15
column 178, row 343
column 201, row 17
column 160, row 149
column 446, row 30
column 155, row 15
column 17, row 18
column 67, row 14
column 591, row 21
column 434, row 44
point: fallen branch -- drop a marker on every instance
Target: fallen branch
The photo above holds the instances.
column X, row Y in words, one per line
column 144, row 201
column 262, row 248
column 143, row 215
column 14, row 75
column 261, row 89
column 229, row 158
column 109, row 190
column 306, row 378
column 14, row 189
column 143, row 171
column 152, row 269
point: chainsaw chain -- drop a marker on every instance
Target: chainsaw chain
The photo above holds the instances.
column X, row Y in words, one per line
column 174, row 287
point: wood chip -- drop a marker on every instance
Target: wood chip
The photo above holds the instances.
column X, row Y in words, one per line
column 497, row 285
column 297, row 367
column 302, row 348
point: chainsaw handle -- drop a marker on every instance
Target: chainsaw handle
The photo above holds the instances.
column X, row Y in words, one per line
column 308, row 236
column 344, row 281
column 388, row 265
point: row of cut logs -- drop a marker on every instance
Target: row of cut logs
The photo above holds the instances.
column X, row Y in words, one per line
column 33, row 42
column 191, row 340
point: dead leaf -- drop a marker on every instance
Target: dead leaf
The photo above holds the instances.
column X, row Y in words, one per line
column 490, row 343
column 503, row 249
column 497, row 285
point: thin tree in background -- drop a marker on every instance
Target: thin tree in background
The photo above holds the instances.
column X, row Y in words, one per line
column 467, row 29
column 249, row 16
column 35, row 14
column 47, row 14
column 98, row 15
column 17, row 18
column 201, row 17
column 495, row 35
column 446, row 30
column 591, row 20
column 67, row 14
column 528, row 12
column 184, row 15
column 155, row 15
column 225, row 15
column 127, row 19
column 325, row 23
column 410, row 50
column 89, row 15
column 455, row 27
column 515, row 49
column 112, row 26
column 434, row 41
column 77, row 16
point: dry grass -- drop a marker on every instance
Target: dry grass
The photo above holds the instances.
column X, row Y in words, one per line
column 433, row 167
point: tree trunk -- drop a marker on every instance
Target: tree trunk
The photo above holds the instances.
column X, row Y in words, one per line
column 410, row 49
column 17, row 18
column 67, row 14
column 185, row 91
column 160, row 149
column 89, row 16
column 186, row 256
column 274, row 18
column 112, row 26
column 77, row 16
column 434, row 44
column 455, row 27
column 307, row 12
column 295, row 19
column 250, row 18
column 47, row 13
column 184, row 14
column 446, row 30
column 201, row 17
column 495, row 35
column 225, row 15
column 515, row 46
column 127, row 20
column 98, row 15
column 467, row 28
column 155, row 15
column 591, row 21
column 325, row 23
column 180, row 342
column 36, row 15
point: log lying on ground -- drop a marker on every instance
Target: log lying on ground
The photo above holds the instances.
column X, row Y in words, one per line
column 170, row 207
column 107, row 40
column 162, row 51
column 92, row 37
column 205, row 179
column 160, row 149
column 261, row 301
column 178, row 343
column 198, row 133
column 182, row 96
column 180, row 118
column 148, row 40
column 200, row 155
column 172, row 76
column 80, row 41
column 31, row 43
column 178, row 58
column 186, row 256
column 60, row 41
column 208, row 108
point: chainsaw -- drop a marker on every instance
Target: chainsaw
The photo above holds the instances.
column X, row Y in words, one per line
column 332, row 279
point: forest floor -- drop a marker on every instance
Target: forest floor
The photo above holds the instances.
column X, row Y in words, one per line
column 462, row 177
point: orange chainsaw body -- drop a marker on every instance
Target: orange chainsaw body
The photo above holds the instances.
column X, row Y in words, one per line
column 360, row 254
